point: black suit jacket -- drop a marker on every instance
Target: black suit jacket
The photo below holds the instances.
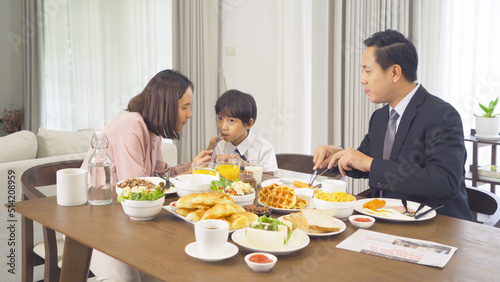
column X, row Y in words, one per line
column 427, row 159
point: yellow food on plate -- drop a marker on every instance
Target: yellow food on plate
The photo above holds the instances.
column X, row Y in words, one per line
column 334, row 196
column 374, row 204
column 214, row 205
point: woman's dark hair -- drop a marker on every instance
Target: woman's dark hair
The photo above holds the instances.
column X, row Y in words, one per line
column 395, row 48
column 158, row 103
column 234, row 103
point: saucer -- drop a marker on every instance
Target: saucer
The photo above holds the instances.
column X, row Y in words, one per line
column 488, row 137
column 193, row 251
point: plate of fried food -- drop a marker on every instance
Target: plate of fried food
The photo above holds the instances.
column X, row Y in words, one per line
column 316, row 222
column 149, row 182
column 211, row 205
column 391, row 209
column 284, row 199
column 291, row 182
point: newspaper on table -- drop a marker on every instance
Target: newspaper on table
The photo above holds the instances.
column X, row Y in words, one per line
column 398, row 248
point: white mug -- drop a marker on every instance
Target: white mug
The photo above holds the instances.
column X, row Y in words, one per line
column 71, row 186
column 333, row 185
column 211, row 237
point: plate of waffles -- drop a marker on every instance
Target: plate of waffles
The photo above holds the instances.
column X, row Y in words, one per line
column 284, row 199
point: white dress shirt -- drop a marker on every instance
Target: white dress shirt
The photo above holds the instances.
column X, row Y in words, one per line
column 253, row 148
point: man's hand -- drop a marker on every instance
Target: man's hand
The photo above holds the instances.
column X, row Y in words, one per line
column 351, row 158
column 323, row 155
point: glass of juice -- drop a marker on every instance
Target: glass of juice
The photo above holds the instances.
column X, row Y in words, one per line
column 204, row 168
column 257, row 167
column 229, row 168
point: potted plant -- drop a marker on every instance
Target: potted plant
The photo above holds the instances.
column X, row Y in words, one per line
column 488, row 124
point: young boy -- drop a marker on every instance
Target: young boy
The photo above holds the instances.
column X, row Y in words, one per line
column 236, row 114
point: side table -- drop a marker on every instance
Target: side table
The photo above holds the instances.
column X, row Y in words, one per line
column 473, row 169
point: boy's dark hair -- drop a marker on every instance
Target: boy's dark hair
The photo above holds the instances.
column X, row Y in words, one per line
column 395, row 48
column 158, row 103
column 236, row 104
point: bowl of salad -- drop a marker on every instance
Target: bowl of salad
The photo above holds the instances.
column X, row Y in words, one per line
column 242, row 193
column 141, row 203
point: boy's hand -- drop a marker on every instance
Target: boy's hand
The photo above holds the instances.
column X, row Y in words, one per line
column 213, row 142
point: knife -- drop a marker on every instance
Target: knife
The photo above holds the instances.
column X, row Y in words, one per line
column 427, row 211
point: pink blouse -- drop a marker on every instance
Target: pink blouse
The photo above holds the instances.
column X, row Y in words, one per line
column 134, row 151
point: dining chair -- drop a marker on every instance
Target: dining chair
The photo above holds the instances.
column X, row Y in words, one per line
column 485, row 206
column 49, row 251
column 299, row 163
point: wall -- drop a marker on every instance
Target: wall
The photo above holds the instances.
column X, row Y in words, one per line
column 11, row 91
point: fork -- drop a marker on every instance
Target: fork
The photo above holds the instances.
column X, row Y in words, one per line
column 165, row 177
column 315, row 174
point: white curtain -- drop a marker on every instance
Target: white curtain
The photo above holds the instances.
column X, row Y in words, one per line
column 96, row 55
column 195, row 53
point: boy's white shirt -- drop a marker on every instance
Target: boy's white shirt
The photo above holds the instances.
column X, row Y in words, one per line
column 253, row 148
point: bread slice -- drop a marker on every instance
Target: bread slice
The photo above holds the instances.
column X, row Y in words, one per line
column 319, row 220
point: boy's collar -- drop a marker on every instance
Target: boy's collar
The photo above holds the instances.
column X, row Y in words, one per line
column 245, row 144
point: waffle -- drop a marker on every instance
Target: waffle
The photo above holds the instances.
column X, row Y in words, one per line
column 282, row 197
column 301, row 204
column 266, row 191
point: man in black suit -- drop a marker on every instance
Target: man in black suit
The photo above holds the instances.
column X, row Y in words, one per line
column 426, row 163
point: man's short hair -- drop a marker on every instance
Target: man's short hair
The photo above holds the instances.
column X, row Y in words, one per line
column 394, row 48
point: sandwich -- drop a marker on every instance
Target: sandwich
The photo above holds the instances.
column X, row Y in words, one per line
column 269, row 233
column 314, row 220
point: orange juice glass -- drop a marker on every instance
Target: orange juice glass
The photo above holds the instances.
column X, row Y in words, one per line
column 204, row 168
column 229, row 168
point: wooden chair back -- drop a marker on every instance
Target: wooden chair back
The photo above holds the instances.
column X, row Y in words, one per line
column 42, row 175
column 484, row 202
column 299, row 163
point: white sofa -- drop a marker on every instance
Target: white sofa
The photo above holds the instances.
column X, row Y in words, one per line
column 22, row 150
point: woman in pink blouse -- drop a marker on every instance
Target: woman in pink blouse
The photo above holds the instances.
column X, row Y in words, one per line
column 135, row 136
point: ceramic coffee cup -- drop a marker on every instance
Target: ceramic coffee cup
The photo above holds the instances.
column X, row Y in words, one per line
column 211, row 237
column 333, row 185
column 71, row 185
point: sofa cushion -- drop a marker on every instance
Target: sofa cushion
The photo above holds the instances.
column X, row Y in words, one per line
column 56, row 143
column 18, row 146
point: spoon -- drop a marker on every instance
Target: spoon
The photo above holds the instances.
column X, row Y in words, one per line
column 428, row 211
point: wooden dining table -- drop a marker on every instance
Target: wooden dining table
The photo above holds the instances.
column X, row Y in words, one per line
column 156, row 247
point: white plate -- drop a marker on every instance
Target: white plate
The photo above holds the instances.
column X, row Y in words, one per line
column 299, row 240
column 309, row 206
column 338, row 221
column 277, row 180
column 155, row 181
column 393, row 215
column 488, row 137
column 171, row 209
column 193, row 251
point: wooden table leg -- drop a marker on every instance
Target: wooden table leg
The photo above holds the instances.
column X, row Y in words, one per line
column 76, row 261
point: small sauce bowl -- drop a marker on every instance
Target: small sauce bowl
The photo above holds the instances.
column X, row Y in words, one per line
column 253, row 261
column 362, row 221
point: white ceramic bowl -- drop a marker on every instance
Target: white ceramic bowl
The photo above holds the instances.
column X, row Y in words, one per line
column 341, row 210
column 360, row 224
column 261, row 267
column 192, row 183
column 142, row 210
column 244, row 200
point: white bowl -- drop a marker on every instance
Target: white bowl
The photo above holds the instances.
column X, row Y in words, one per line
column 261, row 267
column 244, row 200
column 360, row 224
column 192, row 183
column 142, row 210
column 341, row 210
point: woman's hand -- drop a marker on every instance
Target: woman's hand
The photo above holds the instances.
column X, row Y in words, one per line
column 203, row 156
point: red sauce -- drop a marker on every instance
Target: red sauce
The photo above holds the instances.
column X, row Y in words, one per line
column 259, row 259
column 362, row 219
